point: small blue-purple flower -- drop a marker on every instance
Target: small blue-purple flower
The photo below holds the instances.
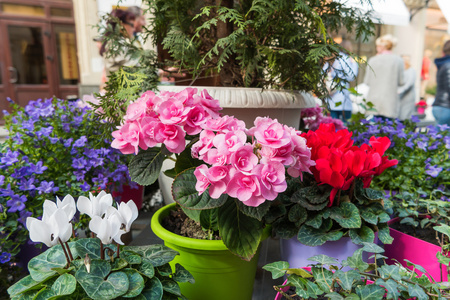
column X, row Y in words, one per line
column 17, row 203
column 10, row 158
column 38, row 168
column 85, row 187
column 26, row 184
column 47, row 187
column 5, row 257
column 81, row 142
column 68, row 142
column 422, row 145
column 79, row 163
column 433, row 171
column 24, row 214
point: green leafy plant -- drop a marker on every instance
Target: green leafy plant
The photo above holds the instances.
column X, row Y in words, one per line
column 51, row 150
column 253, row 43
column 95, row 268
column 359, row 279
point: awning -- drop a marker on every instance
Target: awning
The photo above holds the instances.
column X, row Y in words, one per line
column 444, row 5
column 388, row 12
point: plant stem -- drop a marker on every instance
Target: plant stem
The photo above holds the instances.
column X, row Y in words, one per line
column 69, row 251
column 65, row 252
column 118, row 251
column 102, row 253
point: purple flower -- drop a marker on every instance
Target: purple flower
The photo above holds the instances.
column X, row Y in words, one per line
column 415, row 119
column 100, row 181
column 5, row 257
column 44, row 131
column 2, row 180
column 434, row 146
column 68, row 142
column 85, row 187
column 17, row 203
column 10, row 158
column 28, row 125
column 433, row 171
column 53, row 140
column 24, row 214
column 79, row 163
column 38, row 168
column 79, row 174
column 47, row 187
column 402, row 135
column 409, row 144
column 422, row 145
column 27, row 184
column 8, row 192
column 66, row 127
column 81, row 142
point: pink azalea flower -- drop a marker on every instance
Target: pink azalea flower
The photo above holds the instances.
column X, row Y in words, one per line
column 196, row 117
column 120, row 144
column 270, row 133
column 172, row 111
column 129, row 136
column 246, row 188
column 211, row 105
column 244, row 160
column 215, row 178
column 171, row 135
column 224, row 124
column 215, row 157
column 136, row 110
column 229, row 142
column 148, row 131
column 272, row 178
column 203, row 145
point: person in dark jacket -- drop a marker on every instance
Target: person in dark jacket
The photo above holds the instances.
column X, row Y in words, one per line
column 441, row 105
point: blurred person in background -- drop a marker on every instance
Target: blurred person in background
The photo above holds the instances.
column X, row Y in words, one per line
column 441, row 105
column 384, row 75
column 407, row 91
column 346, row 68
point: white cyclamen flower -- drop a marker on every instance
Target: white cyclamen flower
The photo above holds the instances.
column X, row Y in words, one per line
column 129, row 213
column 67, row 204
column 55, row 228
column 94, row 205
column 107, row 228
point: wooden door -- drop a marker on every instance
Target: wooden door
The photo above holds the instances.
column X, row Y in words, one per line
column 28, row 60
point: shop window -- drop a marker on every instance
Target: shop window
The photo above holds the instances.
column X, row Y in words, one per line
column 22, row 9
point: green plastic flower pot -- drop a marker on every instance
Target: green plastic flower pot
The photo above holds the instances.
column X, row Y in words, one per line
column 218, row 274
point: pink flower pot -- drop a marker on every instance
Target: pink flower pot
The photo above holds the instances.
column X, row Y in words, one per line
column 416, row 251
column 421, row 110
column 137, row 195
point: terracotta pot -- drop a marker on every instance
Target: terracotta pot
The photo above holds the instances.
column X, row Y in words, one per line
column 417, row 251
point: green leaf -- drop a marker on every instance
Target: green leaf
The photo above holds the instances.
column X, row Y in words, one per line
column 300, row 272
column 355, row 261
column 64, row 285
column 324, row 260
column 136, row 283
column 91, row 247
column 298, row 214
column 384, row 234
column 346, row 279
column 186, row 161
column 443, row 228
column 311, row 198
column 391, row 286
column 415, row 290
column 28, row 295
column 118, row 264
column 418, row 267
column 370, row 247
column 182, row 275
column 171, row 286
column 373, row 195
column 370, row 292
column 96, row 286
column 240, row 233
column 157, row 255
column 369, row 216
column 41, row 266
column 300, row 285
column 443, row 259
column 45, row 294
column 352, row 297
column 184, row 193
column 255, row 212
column 334, row 296
column 153, row 290
column 145, row 167
column 147, row 269
column 284, row 229
column 316, row 221
column 315, row 237
column 165, row 270
column 389, row 271
column 131, row 257
column 347, row 215
column 208, row 219
column 25, row 284
column 323, row 278
column 362, row 235
column 278, row 268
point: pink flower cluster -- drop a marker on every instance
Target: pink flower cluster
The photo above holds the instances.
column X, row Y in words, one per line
column 165, row 118
column 313, row 117
column 249, row 165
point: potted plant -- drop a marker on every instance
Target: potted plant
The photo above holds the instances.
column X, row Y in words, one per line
column 98, row 267
column 326, row 278
column 51, row 150
column 421, row 105
column 417, row 187
column 236, row 180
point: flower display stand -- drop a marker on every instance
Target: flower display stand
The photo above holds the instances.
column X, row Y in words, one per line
column 218, row 273
column 417, row 251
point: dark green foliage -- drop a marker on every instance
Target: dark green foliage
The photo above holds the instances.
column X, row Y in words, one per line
column 255, row 43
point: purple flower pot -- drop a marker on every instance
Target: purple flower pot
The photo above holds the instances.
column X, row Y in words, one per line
column 417, row 251
column 297, row 254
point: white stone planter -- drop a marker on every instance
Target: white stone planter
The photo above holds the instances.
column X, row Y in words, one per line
column 246, row 104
